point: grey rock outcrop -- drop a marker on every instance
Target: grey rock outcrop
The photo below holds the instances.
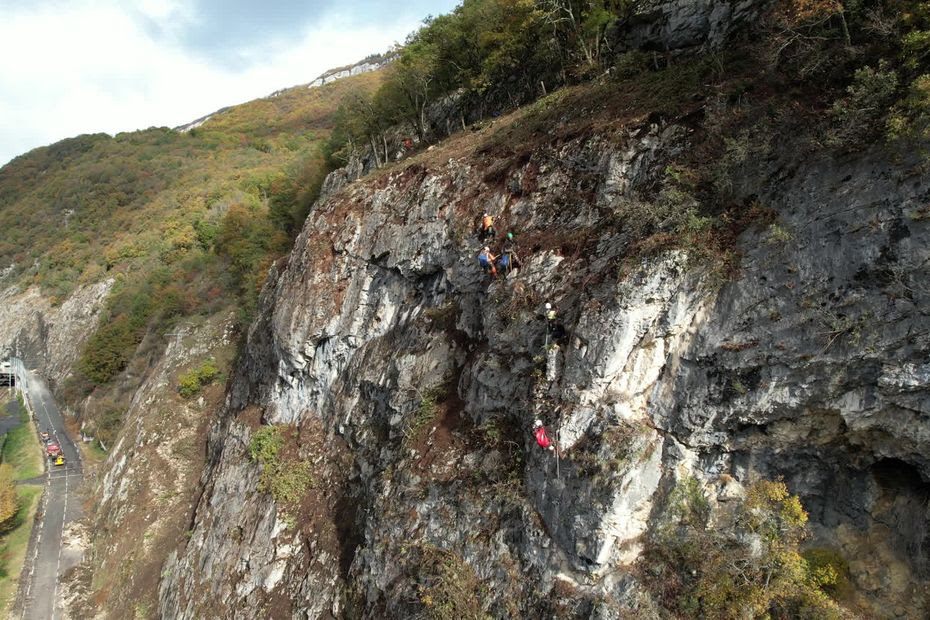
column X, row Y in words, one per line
column 356, row 69
column 49, row 337
column 679, row 24
column 810, row 364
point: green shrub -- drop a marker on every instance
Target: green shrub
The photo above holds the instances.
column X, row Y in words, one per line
column 747, row 564
column 426, row 411
column 448, row 586
column 630, row 64
column 108, row 350
column 148, row 303
column 265, row 444
column 109, row 421
column 248, row 243
column 910, row 119
column 867, row 101
column 688, row 503
column 828, row 570
column 283, row 475
column 290, row 482
column 196, row 378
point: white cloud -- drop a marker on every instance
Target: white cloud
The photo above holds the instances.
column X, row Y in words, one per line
column 96, row 67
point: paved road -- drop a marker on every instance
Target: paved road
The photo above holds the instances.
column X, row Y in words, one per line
column 46, row 559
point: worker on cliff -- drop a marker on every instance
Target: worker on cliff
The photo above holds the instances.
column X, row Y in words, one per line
column 487, row 227
column 550, row 316
column 555, row 331
column 487, row 261
column 509, row 260
column 542, row 437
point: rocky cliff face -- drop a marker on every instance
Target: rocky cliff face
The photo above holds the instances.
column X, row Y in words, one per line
column 50, row 336
column 364, row 66
column 145, row 488
column 411, row 380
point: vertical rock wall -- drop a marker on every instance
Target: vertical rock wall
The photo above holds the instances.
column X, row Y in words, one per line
column 809, row 365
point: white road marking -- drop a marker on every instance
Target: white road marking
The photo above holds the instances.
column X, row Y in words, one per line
column 61, row 543
column 50, row 474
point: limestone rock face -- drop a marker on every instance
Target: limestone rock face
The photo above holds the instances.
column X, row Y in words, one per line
column 415, row 379
column 50, row 336
column 338, row 74
column 677, row 24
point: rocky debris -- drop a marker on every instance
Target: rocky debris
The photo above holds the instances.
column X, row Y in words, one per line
column 146, row 486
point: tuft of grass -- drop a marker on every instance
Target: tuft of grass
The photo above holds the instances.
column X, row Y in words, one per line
column 442, row 317
column 612, row 452
column 92, row 452
column 448, row 586
column 286, row 477
column 426, row 412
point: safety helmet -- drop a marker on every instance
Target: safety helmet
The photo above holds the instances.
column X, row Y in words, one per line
column 510, row 235
column 537, row 423
column 487, row 249
column 548, row 306
column 485, row 214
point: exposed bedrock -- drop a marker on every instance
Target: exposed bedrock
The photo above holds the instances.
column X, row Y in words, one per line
column 414, row 381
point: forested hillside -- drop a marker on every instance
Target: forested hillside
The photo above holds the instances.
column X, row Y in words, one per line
column 317, row 404
column 186, row 222
column 864, row 61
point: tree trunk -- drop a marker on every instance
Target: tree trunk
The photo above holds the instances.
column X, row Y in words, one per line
column 846, row 37
column 423, row 120
column 374, row 151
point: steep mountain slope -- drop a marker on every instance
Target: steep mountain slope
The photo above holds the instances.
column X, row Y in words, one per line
column 727, row 206
column 139, row 225
column 130, row 265
column 374, row 457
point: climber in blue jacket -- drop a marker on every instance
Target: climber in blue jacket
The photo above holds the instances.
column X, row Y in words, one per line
column 487, row 261
column 508, row 260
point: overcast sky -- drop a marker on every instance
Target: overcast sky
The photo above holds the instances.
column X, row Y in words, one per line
column 69, row 67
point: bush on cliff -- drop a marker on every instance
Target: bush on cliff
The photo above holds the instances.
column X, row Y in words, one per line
column 190, row 382
column 448, row 586
column 283, row 474
column 743, row 564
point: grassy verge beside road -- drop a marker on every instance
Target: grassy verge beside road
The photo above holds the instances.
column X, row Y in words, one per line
column 20, row 449
column 13, row 545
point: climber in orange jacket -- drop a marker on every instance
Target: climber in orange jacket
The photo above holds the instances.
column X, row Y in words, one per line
column 542, row 437
column 487, row 227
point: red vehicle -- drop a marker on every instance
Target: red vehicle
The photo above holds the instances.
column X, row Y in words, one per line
column 52, row 449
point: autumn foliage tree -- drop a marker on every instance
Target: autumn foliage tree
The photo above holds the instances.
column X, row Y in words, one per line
column 492, row 54
column 745, row 563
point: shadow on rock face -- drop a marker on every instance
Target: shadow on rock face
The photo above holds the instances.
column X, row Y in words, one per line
column 903, row 505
